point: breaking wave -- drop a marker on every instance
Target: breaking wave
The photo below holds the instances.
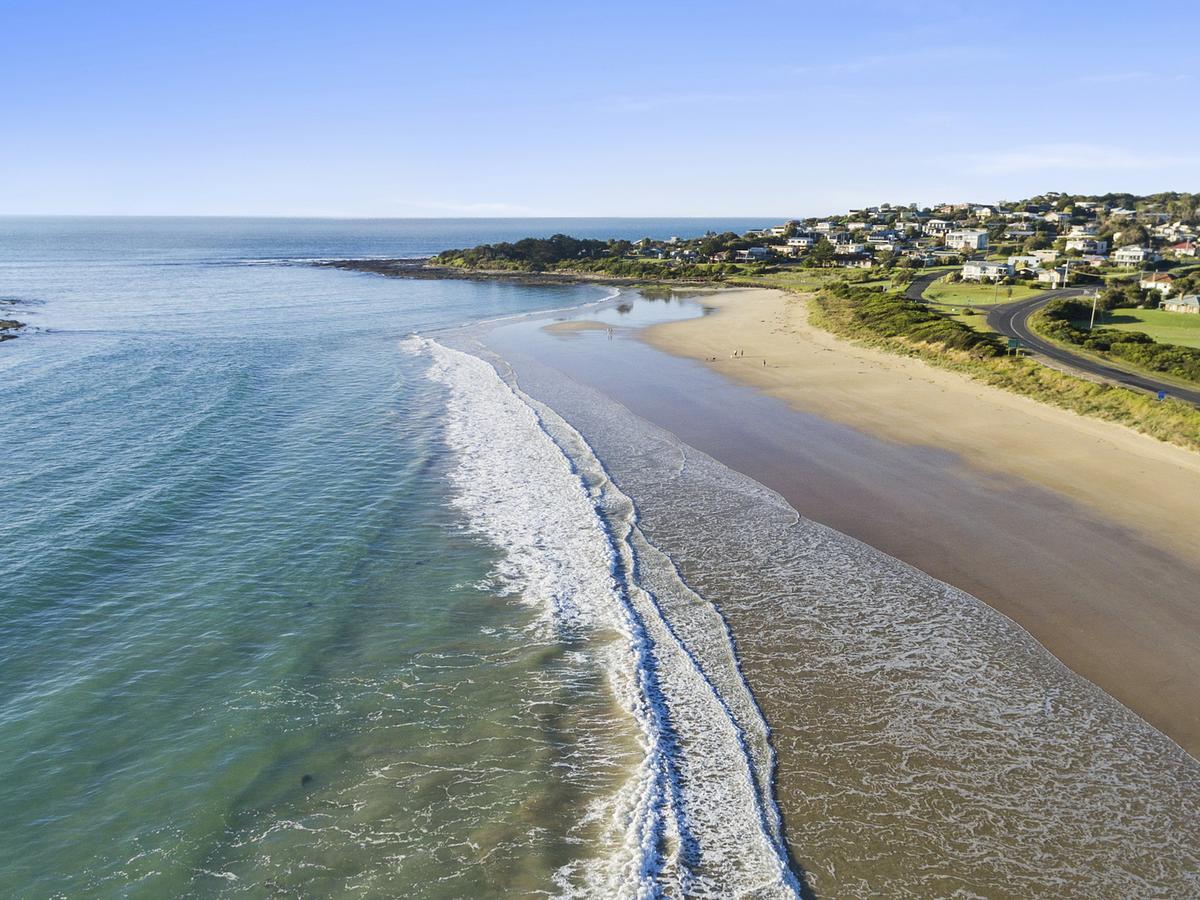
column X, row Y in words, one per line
column 696, row 817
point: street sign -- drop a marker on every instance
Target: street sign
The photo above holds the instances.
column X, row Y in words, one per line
column 1014, row 343
column 1162, row 395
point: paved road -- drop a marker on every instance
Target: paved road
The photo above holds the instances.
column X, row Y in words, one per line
column 1011, row 320
column 918, row 285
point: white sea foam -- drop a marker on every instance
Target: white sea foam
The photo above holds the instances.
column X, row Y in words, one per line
column 696, row 817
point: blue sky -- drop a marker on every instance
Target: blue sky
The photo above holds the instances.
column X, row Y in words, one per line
column 706, row 109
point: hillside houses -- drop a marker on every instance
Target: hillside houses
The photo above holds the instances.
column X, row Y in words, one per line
column 1024, row 239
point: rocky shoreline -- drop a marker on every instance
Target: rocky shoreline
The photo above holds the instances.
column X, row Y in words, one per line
column 9, row 327
column 424, row 268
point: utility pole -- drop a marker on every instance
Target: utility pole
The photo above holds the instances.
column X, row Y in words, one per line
column 1095, row 297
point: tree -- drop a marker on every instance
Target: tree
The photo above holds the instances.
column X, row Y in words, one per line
column 1132, row 235
column 821, row 254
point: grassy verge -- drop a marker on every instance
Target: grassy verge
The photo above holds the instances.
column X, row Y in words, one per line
column 1052, row 336
column 966, row 294
column 1165, row 327
column 1134, row 349
column 890, row 322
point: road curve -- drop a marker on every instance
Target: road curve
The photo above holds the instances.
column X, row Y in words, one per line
column 917, row 287
column 1012, row 320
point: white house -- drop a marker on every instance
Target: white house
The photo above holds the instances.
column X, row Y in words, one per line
column 967, row 239
column 936, row 226
column 1134, row 256
column 1054, row 277
column 1157, row 281
column 753, row 254
column 1020, row 263
column 1188, row 304
column 986, row 271
column 802, row 241
column 1087, row 245
column 854, row 261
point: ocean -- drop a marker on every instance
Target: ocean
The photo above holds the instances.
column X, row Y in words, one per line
column 319, row 583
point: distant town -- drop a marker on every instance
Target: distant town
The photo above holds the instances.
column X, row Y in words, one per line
column 1050, row 241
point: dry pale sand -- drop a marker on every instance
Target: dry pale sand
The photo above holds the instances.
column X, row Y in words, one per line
column 1135, row 480
column 1145, row 651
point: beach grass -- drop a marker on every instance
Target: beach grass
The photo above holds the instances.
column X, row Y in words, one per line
column 855, row 314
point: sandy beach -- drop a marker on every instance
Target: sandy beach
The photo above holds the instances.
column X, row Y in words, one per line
column 1084, row 532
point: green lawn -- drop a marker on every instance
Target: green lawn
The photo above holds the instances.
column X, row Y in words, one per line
column 969, row 294
column 1165, row 327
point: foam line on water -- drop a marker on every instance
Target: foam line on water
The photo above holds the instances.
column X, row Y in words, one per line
column 613, row 294
column 693, row 818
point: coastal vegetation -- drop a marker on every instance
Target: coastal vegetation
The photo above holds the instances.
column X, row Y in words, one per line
column 888, row 321
column 1059, row 320
column 565, row 255
column 861, row 310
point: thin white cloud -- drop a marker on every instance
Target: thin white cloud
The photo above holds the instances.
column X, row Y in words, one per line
column 1069, row 157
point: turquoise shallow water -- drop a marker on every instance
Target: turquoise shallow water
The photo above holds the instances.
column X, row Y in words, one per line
column 246, row 642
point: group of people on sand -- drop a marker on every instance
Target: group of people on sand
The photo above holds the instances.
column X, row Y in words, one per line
column 736, row 355
column 740, row 353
